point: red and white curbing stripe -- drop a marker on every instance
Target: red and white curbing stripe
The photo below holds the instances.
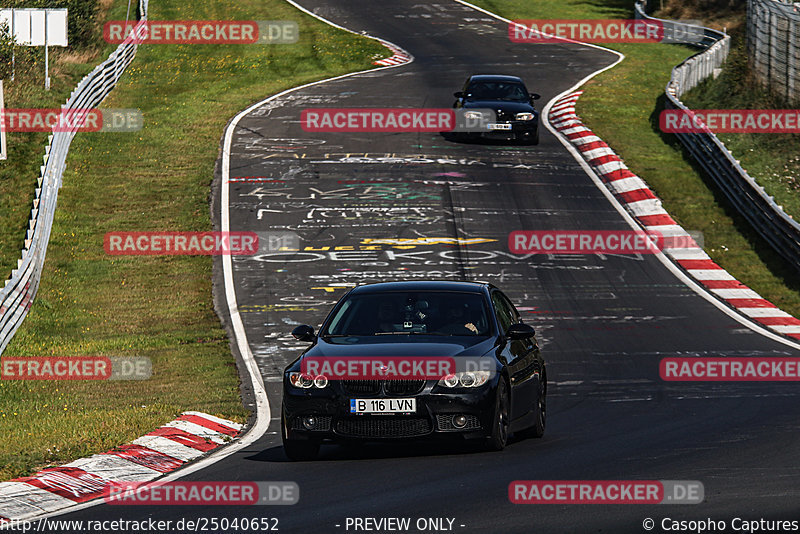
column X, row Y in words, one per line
column 399, row 56
column 639, row 200
column 186, row 438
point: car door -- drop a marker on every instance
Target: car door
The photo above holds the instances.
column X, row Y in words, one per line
column 519, row 356
column 514, row 353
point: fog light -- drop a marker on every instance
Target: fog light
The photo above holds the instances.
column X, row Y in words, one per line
column 310, row 422
column 459, row 421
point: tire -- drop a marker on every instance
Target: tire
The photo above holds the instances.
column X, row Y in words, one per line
column 497, row 441
column 298, row 450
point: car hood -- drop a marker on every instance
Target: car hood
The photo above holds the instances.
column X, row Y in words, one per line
column 455, row 346
column 509, row 107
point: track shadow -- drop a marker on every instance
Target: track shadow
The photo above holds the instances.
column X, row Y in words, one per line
column 380, row 451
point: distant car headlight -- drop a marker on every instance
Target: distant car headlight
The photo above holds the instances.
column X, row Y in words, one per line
column 473, row 115
column 306, row 381
column 465, row 379
column 525, row 116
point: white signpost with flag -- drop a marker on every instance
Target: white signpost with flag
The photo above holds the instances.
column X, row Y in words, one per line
column 37, row 27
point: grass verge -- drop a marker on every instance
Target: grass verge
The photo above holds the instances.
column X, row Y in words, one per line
column 773, row 160
column 91, row 304
column 622, row 106
column 19, row 172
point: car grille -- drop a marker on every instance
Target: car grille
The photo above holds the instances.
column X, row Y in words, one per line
column 503, row 116
column 362, row 387
column 403, row 387
column 383, row 427
column 390, row 387
column 445, row 422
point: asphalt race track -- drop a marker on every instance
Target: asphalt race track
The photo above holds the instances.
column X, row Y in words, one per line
column 604, row 321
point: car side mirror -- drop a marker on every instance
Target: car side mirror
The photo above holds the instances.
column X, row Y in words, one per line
column 535, row 96
column 520, row 331
column 458, row 94
column 303, row 333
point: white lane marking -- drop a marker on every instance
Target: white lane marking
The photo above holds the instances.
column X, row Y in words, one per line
column 168, row 447
column 736, row 293
column 203, row 432
column 686, row 253
column 218, row 420
column 611, row 166
column 648, row 206
column 710, row 274
column 577, row 129
column 764, row 312
column 586, row 140
column 114, row 468
column 598, row 152
column 787, row 329
column 668, row 229
column 20, row 500
column 627, row 185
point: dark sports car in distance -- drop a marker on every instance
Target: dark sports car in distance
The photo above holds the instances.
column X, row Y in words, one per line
column 506, row 101
column 409, row 360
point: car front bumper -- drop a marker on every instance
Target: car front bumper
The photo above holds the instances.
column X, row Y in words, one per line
column 436, row 407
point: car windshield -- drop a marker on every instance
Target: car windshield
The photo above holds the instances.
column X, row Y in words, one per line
column 510, row 91
column 442, row 313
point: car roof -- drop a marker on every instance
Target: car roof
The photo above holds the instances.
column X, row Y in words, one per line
column 422, row 285
column 494, row 78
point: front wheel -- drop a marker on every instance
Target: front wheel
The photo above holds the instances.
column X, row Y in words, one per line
column 497, row 441
column 298, row 450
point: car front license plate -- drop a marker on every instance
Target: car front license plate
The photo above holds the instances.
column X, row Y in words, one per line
column 499, row 126
column 383, row 405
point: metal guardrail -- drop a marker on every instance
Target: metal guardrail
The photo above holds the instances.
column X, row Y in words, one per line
column 19, row 290
column 750, row 200
column 773, row 45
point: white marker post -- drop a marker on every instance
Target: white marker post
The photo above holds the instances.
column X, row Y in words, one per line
column 3, row 154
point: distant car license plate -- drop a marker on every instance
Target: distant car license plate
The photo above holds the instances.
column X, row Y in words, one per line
column 499, row 126
column 383, row 405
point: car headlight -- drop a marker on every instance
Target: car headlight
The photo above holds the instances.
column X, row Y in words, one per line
column 525, row 116
column 473, row 115
column 306, row 381
column 465, row 379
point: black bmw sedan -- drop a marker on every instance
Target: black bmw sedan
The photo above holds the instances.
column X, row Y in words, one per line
column 408, row 360
column 501, row 105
